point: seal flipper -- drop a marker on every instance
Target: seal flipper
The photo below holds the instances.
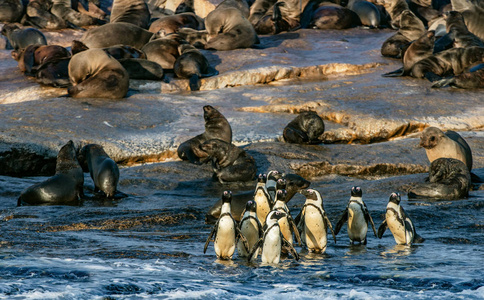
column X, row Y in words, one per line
column 397, row 73
column 194, row 82
column 382, row 228
column 210, row 72
column 443, row 82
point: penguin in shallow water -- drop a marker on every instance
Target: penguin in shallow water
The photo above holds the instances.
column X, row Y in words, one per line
column 225, row 231
column 313, row 222
column 358, row 216
column 399, row 223
column 250, row 227
column 262, row 199
column 272, row 241
column 271, row 183
column 287, row 224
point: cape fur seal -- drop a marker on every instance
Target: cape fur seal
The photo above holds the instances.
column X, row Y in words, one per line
column 103, row 170
column 474, row 79
column 96, row 74
column 368, row 13
column 228, row 29
column 449, row 179
column 11, row 11
column 20, row 38
column 192, row 64
column 172, row 23
column 229, row 162
column 54, row 72
column 115, row 34
column 31, row 57
column 135, row 12
column 459, row 32
column 164, row 51
column 333, row 16
column 450, row 144
column 410, row 29
column 64, row 188
column 38, row 14
column 395, row 8
column 63, row 10
column 216, row 127
column 306, row 128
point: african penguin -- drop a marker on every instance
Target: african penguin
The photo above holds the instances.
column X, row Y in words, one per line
column 250, row 227
column 272, row 241
column 287, row 224
column 399, row 223
column 262, row 199
column 357, row 215
column 271, row 183
column 225, row 231
column 314, row 223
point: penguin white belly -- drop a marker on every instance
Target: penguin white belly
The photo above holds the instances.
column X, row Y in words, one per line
column 263, row 207
column 271, row 248
column 224, row 244
column 357, row 226
column 314, row 230
column 397, row 228
column 286, row 229
column 249, row 229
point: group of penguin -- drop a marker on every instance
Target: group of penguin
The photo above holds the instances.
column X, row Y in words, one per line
column 267, row 227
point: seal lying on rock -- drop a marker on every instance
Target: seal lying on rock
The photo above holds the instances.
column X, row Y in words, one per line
column 20, row 38
column 104, row 171
column 64, row 188
column 474, row 79
column 450, row 144
column 306, row 128
column 33, row 56
column 216, row 127
column 115, row 34
column 449, row 179
column 96, row 74
column 11, row 11
column 229, row 162
column 135, row 12
column 192, row 64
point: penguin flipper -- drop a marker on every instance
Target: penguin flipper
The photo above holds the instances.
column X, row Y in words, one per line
column 289, row 247
column 418, row 239
column 294, row 229
column 255, row 250
column 328, row 224
column 369, row 219
column 343, row 219
column 382, row 228
column 242, row 237
column 214, row 230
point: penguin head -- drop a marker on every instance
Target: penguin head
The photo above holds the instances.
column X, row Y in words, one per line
column 281, row 195
column 395, row 198
column 356, row 191
column 275, row 215
column 281, row 184
column 273, row 175
column 251, row 206
column 311, row 194
column 227, row 197
column 262, row 178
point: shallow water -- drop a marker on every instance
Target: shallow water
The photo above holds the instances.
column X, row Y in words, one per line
column 151, row 246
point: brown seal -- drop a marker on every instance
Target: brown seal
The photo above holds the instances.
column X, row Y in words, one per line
column 116, row 51
column 96, row 74
column 38, row 14
column 410, row 29
column 216, row 127
column 192, row 64
column 64, row 188
column 135, row 12
column 368, row 12
column 306, row 128
column 449, row 179
column 63, row 10
column 333, row 16
column 228, row 29
column 241, row 5
column 164, row 51
column 54, row 72
column 172, row 23
column 103, row 170
column 30, row 58
column 395, row 8
column 474, row 79
column 459, row 32
column 20, row 38
column 11, row 11
column 112, row 34
column 229, row 162
column 450, row 144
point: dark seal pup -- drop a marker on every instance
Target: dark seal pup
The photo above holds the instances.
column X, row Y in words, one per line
column 64, row 188
column 104, row 171
column 449, row 179
column 11, row 11
column 474, row 79
column 192, row 64
column 20, row 38
column 96, row 74
column 216, row 127
column 306, row 128
column 229, row 162
column 135, row 12
column 112, row 34
column 332, row 16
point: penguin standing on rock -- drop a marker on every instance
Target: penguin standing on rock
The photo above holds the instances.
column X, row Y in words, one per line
column 262, row 199
column 272, row 241
column 250, row 227
column 225, row 231
column 399, row 223
column 357, row 215
column 313, row 222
